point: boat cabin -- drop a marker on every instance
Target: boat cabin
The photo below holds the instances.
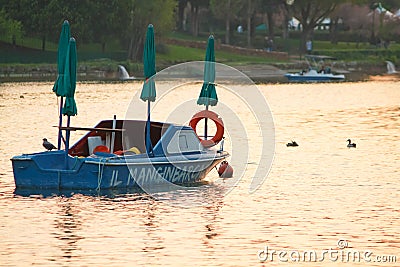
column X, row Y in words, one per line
column 128, row 136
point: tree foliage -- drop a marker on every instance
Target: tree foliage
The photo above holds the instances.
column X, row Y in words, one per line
column 219, row 8
column 271, row 8
column 195, row 7
column 9, row 28
column 125, row 21
column 310, row 13
column 91, row 20
column 139, row 14
column 366, row 21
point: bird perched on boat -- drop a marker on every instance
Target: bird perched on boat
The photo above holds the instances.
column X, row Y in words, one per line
column 49, row 146
column 350, row 144
column 293, row 143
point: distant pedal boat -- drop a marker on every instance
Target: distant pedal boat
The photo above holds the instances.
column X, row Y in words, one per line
column 324, row 73
column 314, row 76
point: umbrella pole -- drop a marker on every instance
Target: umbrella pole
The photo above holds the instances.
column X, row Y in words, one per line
column 148, row 139
column 60, row 124
column 67, row 143
column 114, row 125
column 205, row 126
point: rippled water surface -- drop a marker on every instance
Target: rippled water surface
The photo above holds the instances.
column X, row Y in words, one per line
column 315, row 194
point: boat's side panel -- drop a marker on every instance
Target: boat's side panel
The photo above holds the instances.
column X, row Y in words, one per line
column 43, row 169
column 312, row 78
column 92, row 176
column 104, row 174
column 27, row 174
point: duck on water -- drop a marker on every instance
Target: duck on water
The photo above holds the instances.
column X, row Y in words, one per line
column 350, row 144
column 293, row 143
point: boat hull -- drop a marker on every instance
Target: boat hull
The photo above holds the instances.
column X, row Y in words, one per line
column 295, row 77
column 54, row 170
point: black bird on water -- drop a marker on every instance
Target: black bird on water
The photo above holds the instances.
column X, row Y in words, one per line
column 350, row 144
column 293, row 143
column 49, row 146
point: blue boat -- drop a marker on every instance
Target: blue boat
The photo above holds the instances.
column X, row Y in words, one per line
column 314, row 76
column 178, row 157
column 319, row 70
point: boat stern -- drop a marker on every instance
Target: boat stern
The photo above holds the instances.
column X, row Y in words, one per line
column 42, row 169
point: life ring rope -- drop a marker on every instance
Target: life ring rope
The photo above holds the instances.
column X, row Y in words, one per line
column 218, row 123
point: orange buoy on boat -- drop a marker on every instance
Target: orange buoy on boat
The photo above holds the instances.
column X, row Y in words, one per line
column 225, row 170
column 101, row 148
column 218, row 123
column 132, row 150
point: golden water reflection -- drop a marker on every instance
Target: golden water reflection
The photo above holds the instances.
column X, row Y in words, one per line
column 315, row 194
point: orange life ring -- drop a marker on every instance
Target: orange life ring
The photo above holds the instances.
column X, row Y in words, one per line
column 218, row 123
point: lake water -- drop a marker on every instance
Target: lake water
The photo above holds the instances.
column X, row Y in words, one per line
column 320, row 196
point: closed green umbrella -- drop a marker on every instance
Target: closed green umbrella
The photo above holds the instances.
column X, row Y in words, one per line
column 58, row 87
column 208, row 95
column 149, row 87
column 69, row 85
column 70, row 79
column 149, row 62
column 63, row 42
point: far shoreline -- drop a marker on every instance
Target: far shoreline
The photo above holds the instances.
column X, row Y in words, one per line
column 259, row 73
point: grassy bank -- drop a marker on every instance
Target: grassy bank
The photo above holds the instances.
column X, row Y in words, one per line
column 27, row 62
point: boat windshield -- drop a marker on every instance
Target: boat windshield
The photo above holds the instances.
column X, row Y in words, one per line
column 320, row 63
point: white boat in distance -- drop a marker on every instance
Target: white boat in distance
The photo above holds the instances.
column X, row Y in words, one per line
column 318, row 71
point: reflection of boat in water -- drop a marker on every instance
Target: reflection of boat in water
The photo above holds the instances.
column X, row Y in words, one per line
column 319, row 70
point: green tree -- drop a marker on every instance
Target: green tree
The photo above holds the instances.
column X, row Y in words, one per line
column 43, row 18
column 271, row 8
column 106, row 25
column 377, row 19
column 310, row 13
column 219, row 9
column 195, row 7
column 287, row 14
column 39, row 21
column 79, row 14
column 139, row 14
column 250, row 10
column 180, row 16
column 10, row 29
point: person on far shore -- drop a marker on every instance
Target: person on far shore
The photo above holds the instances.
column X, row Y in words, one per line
column 269, row 43
column 309, row 46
